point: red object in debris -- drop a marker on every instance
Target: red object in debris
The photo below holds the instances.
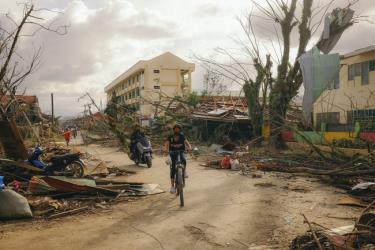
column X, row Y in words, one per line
column 16, row 185
column 370, row 136
column 287, row 136
column 225, row 163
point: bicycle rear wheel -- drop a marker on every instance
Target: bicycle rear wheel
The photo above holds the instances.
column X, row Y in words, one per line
column 180, row 186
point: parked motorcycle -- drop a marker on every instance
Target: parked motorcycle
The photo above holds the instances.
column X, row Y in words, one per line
column 142, row 154
column 68, row 165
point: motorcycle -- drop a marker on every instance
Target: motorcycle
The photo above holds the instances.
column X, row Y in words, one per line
column 70, row 165
column 142, row 153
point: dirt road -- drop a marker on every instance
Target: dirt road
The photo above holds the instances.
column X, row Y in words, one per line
column 223, row 210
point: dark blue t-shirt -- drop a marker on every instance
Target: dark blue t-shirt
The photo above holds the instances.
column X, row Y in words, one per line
column 176, row 142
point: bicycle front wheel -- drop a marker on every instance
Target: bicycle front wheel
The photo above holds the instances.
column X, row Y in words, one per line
column 180, row 186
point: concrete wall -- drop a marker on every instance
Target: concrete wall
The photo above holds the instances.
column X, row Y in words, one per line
column 351, row 94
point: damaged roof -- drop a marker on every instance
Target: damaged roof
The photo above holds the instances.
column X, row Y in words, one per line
column 28, row 99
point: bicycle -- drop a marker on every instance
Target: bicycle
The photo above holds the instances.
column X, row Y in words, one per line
column 180, row 177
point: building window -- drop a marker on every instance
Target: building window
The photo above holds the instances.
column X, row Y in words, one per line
column 362, row 70
column 364, row 73
column 137, row 92
column 336, row 81
column 332, row 118
column 372, row 65
column 156, row 71
column 357, row 69
column 365, row 117
column 137, row 78
column 351, row 72
column 137, row 107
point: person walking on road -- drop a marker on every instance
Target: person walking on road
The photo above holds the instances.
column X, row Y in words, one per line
column 67, row 135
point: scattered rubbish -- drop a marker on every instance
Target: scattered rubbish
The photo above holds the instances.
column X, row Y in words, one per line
column 119, row 172
column 196, row 151
column 69, row 212
column 295, row 188
column 234, row 164
column 361, row 235
column 15, row 185
column 351, row 201
column 264, row 184
column 148, row 189
column 288, row 220
column 225, row 163
column 13, row 205
column 364, row 189
column 255, row 175
column 64, row 184
column 38, row 186
column 226, row 149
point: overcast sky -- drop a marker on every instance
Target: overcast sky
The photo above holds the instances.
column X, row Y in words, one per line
column 106, row 37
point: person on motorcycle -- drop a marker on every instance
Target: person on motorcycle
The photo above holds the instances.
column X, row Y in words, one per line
column 136, row 136
column 176, row 142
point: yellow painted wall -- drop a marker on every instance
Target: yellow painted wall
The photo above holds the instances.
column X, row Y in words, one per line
column 330, row 136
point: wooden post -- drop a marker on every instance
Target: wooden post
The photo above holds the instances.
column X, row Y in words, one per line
column 32, row 127
column 52, row 110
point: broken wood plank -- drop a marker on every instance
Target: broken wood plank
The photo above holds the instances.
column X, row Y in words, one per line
column 70, row 212
column 7, row 162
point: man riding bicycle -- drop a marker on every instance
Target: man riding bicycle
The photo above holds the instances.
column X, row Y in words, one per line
column 175, row 144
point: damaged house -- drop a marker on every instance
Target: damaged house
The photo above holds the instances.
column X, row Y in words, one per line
column 223, row 118
column 23, row 103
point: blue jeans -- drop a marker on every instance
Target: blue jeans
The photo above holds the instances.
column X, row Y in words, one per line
column 174, row 157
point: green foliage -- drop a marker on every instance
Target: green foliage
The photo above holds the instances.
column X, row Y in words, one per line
column 193, row 99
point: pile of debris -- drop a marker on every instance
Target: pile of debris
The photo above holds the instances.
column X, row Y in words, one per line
column 26, row 191
column 361, row 235
column 106, row 139
column 343, row 175
column 52, row 197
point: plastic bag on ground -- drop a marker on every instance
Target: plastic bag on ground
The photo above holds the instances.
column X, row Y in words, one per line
column 168, row 161
column 13, row 205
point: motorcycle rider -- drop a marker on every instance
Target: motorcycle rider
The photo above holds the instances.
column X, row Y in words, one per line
column 176, row 142
column 136, row 137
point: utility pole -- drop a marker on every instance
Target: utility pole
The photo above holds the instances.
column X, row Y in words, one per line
column 52, row 109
